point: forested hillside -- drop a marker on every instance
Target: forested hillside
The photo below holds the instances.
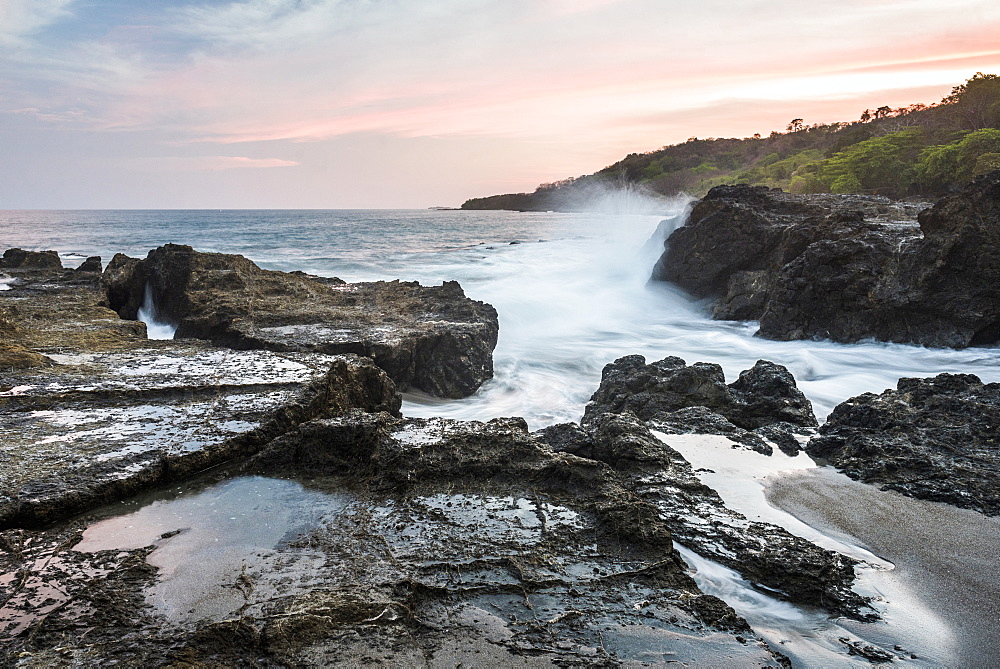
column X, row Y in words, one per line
column 916, row 150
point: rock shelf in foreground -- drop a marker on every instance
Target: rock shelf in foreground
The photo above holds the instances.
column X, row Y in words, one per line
column 449, row 541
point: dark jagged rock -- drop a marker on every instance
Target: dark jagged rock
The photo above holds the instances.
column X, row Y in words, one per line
column 629, row 384
column 666, row 391
column 21, row 259
column 91, row 264
column 766, row 394
column 765, row 554
column 565, row 438
column 846, row 267
column 431, row 338
column 935, row 439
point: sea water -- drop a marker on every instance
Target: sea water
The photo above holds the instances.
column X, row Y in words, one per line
column 572, row 292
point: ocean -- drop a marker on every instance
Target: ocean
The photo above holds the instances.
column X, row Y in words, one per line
column 572, row 292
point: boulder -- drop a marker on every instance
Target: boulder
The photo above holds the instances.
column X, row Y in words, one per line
column 679, row 398
column 936, row 439
column 91, row 264
column 432, row 338
column 21, row 259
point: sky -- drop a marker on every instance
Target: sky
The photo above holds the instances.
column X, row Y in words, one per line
column 416, row 103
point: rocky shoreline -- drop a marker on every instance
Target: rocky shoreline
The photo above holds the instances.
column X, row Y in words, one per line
column 846, row 268
column 452, row 541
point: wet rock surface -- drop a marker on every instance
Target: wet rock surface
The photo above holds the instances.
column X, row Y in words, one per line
column 448, row 542
column 98, row 427
column 762, row 406
column 433, row 339
column 342, row 532
column 91, row 411
column 845, row 268
column 936, row 439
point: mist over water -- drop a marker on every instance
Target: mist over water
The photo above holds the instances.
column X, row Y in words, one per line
column 572, row 293
column 570, row 306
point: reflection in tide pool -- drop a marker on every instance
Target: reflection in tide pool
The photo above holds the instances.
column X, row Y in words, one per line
column 205, row 536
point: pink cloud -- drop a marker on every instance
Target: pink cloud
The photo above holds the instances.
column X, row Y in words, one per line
column 209, row 163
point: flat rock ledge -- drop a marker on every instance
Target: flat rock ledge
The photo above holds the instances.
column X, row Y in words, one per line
column 433, row 339
column 91, row 411
column 846, row 268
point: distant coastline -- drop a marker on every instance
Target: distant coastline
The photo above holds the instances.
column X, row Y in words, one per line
column 924, row 150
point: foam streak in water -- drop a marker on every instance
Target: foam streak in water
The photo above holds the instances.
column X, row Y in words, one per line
column 155, row 329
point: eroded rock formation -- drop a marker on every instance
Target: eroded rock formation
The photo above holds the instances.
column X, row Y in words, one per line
column 935, row 439
column 762, row 405
column 431, row 338
column 846, row 268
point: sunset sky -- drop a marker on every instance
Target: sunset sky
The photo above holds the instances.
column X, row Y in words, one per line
column 392, row 103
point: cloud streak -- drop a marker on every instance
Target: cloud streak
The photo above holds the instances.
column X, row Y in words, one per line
column 209, row 163
column 19, row 19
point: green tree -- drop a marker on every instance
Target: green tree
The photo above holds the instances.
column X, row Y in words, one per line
column 976, row 103
column 987, row 162
column 945, row 165
column 884, row 164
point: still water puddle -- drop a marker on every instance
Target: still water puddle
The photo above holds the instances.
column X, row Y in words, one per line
column 206, row 537
column 215, row 541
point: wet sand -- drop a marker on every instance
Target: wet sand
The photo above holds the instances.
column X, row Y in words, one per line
column 949, row 557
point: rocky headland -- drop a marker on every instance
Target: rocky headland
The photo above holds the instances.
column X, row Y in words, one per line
column 846, row 268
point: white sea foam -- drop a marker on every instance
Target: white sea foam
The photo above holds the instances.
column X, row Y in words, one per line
column 571, row 305
column 155, row 328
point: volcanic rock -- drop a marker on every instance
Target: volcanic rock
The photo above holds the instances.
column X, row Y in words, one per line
column 98, row 427
column 91, row 264
column 936, row 439
column 434, row 339
column 91, row 411
column 665, row 393
column 447, row 541
column 622, row 458
column 846, row 268
column 21, row 259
